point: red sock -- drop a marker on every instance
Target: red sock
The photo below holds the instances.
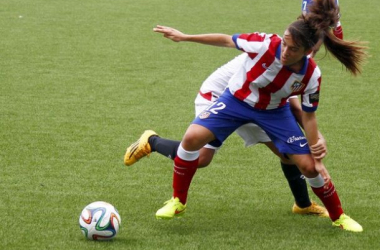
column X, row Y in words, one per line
column 338, row 32
column 330, row 199
column 182, row 176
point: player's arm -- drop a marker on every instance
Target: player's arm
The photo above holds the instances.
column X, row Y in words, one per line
column 319, row 149
column 221, row 40
column 296, row 109
column 309, row 121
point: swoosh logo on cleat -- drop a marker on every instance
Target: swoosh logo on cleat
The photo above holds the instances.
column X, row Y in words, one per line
column 134, row 148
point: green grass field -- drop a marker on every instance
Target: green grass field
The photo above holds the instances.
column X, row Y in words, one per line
column 81, row 80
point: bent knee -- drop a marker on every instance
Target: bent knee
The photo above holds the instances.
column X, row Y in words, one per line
column 196, row 137
column 305, row 164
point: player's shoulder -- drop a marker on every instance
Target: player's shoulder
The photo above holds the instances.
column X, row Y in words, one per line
column 254, row 36
column 312, row 68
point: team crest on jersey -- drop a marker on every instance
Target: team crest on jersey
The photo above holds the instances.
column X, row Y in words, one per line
column 297, row 86
column 204, row 115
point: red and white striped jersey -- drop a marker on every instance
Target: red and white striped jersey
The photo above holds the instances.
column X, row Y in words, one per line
column 264, row 83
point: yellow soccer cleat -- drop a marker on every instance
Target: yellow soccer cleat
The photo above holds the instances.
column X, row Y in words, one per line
column 139, row 149
column 173, row 208
column 346, row 223
column 313, row 209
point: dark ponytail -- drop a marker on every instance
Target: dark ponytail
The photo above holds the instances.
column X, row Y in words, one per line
column 323, row 16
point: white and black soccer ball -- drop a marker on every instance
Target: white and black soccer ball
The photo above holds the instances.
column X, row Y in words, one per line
column 99, row 221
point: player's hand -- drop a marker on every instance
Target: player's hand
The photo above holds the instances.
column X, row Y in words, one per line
column 320, row 167
column 170, row 33
column 319, row 150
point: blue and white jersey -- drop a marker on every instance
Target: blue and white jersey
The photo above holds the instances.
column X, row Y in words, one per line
column 306, row 3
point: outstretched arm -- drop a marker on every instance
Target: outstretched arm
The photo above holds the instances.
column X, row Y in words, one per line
column 221, row 40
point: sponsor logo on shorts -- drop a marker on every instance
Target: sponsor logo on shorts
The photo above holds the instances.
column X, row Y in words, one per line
column 303, row 144
column 204, row 115
column 295, row 138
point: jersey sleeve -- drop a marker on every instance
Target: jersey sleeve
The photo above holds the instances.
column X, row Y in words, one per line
column 250, row 42
column 310, row 98
column 292, row 97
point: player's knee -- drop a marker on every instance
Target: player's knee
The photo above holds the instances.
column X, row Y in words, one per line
column 306, row 165
column 196, row 137
column 307, row 169
column 189, row 141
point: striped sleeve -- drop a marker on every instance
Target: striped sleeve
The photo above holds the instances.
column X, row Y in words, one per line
column 251, row 42
column 312, row 80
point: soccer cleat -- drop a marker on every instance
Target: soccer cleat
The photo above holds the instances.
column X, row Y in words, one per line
column 139, row 149
column 346, row 223
column 173, row 208
column 313, row 209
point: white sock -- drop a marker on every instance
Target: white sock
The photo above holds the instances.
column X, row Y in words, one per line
column 316, row 182
column 187, row 155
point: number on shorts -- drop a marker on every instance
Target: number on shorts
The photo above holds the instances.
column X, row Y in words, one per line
column 217, row 106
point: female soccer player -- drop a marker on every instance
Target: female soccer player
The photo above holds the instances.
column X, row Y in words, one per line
column 275, row 69
column 210, row 90
column 252, row 134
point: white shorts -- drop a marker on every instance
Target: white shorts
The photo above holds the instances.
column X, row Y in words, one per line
column 250, row 132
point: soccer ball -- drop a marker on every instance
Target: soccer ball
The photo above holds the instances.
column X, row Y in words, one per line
column 99, row 221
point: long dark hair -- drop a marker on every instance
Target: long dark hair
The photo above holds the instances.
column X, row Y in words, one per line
column 317, row 25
